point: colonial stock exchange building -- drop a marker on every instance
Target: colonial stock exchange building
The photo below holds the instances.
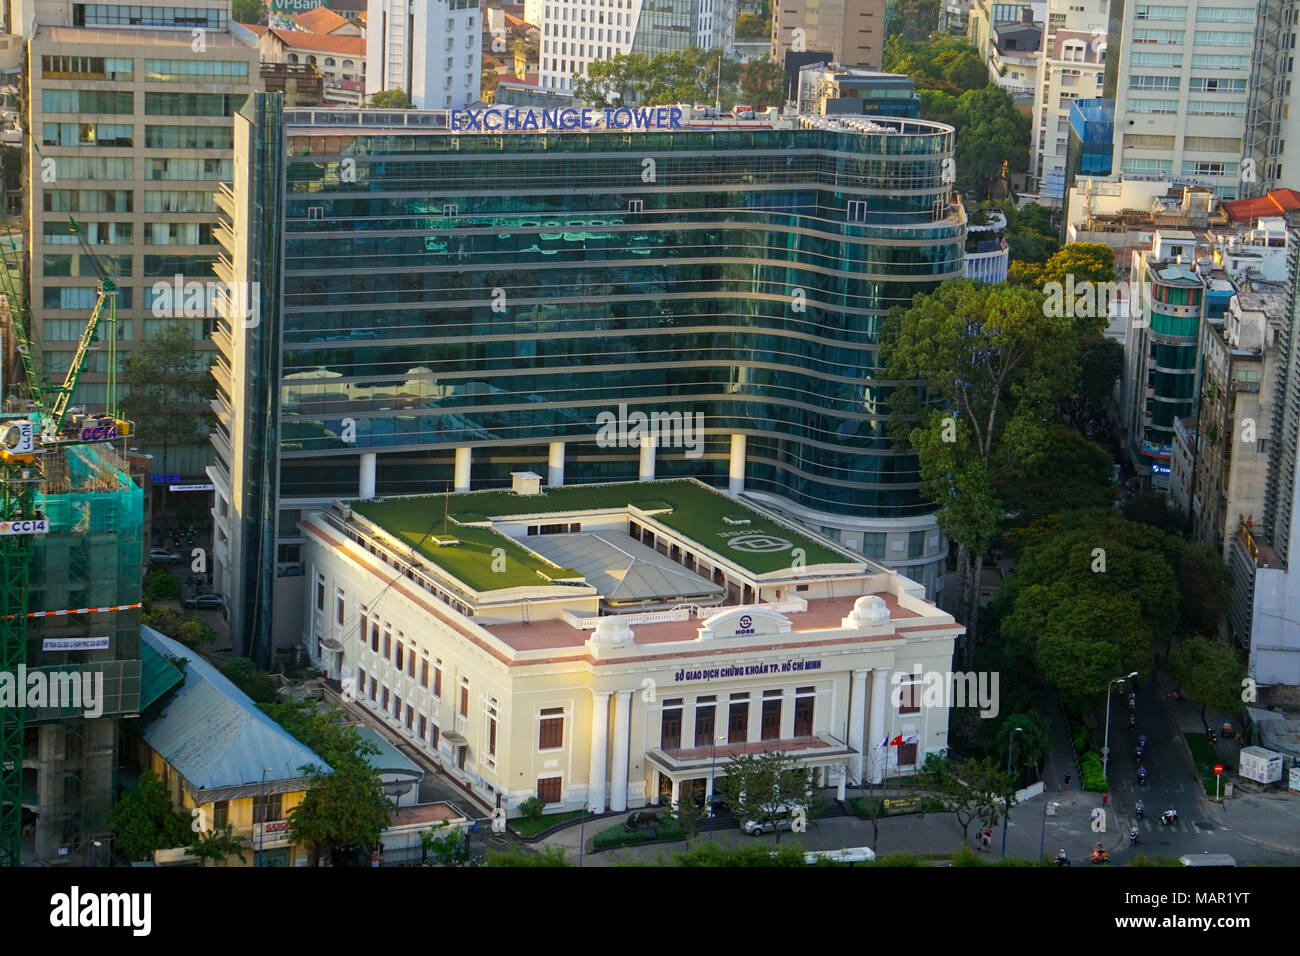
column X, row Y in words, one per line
column 613, row 643
column 445, row 299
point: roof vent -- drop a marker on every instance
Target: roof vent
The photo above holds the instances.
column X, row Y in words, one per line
column 525, row 483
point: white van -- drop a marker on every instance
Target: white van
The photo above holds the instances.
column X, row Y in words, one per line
column 1206, row 859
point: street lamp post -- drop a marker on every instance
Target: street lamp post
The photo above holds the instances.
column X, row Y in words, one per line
column 582, row 831
column 1105, row 750
column 1042, row 836
column 1006, row 807
column 713, row 779
column 261, row 799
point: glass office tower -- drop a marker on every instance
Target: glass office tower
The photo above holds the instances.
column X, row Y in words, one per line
column 454, row 307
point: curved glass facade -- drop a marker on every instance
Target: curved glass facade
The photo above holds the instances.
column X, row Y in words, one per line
column 502, row 290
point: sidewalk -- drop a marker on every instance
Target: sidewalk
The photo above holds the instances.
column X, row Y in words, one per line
column 1271, row 819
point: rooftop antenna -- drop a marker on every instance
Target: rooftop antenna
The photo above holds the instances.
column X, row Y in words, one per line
column 717, row 90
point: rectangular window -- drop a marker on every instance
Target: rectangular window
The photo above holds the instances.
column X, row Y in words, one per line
column 397, row 662
column 670, row 725
column 397, row 707
column 410, row 662
column 464, row 697
column 338, row 608
column 267, row 808
column 373, row 691
column 361, row 680
column 770, row 719
column 365, row 623
column 705, row 721
column 220, row 813
column 548, row 790
column 738, row 720
column 433, row 736
column 910, row 698
column 907, row 754
column 437, row 679
column 550, row 734
column 424, row 674
column 421, row 726
column 320, row 592
column 388, row 646
column 374, row 637
column 410, row 717
column 804, row 701
column 383, row 700
column 492, row 732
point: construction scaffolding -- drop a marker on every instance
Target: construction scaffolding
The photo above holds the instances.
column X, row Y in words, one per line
column 90, row 559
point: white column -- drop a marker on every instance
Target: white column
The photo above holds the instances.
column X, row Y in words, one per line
column 622, row 722
column 857, row 719
column 367, row 476
column 677, row 793
column 654, row 788
column 736, row 472
column 555, row 464
column 647, row 471
column 879, row 697
column 599, row 744
column 463, row 456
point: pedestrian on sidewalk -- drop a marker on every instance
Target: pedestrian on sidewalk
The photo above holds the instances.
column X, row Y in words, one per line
column 1067, row 782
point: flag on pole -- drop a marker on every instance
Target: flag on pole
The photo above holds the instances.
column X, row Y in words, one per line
column 912, row 739
column 897, row 741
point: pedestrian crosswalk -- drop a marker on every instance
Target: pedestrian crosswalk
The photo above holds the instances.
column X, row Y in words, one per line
column 1182, row 826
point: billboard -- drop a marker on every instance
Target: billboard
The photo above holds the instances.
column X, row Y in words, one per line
column 293, row 7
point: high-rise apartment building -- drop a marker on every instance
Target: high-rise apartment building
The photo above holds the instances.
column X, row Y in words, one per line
column 852, row 31
column 430, row 50
column 1183, row 91
column 1073, row 66
column 129, row 133
column 524, row 284
column 577, row 33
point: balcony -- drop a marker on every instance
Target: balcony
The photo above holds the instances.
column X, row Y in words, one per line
column 813, row 750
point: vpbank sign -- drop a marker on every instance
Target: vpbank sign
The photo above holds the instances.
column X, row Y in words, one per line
column 25, row 526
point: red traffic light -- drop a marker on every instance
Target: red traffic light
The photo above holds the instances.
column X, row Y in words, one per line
column 1218, row 768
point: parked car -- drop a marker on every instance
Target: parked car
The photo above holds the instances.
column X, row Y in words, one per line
column 163, row 556
column 206, row 602
column 754, row 828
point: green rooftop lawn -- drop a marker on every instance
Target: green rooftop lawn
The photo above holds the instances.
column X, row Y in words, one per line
column 470, row 561
column 689, row 507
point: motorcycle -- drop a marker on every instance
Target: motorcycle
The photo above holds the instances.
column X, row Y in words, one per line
column 1142, row 740
column 1062, row 859
column 1139, row 808
column 1099, row 856
column 1142, row 776
column 1137, row 753
column 1133, row 836
column 1209, row 735
column 1168, row 818
column 1132, row 721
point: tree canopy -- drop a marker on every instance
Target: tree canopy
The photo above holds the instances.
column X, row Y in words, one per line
column 146, row 821
column 684, row 76
column 996, row 365
column 1209, row 672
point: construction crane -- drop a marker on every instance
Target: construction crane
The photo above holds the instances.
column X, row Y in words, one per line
column 23, row 443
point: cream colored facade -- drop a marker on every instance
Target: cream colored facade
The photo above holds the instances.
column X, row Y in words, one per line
column 1073, row 67
column 130, row 134
column 853, row 31
column 836, row 634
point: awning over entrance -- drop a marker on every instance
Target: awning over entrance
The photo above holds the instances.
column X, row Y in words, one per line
column 455, row 739
column 684, row 763
column 330, row 644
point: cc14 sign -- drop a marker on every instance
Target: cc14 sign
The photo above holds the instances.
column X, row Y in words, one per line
column 25, row 526
column 99, row 433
